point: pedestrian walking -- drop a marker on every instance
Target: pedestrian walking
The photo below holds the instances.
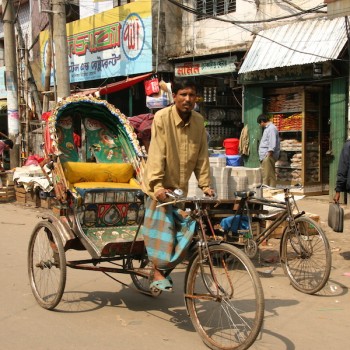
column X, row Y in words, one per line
column 269, row 150
column 343, row 174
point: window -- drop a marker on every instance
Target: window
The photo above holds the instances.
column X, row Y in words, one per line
column 214, row 8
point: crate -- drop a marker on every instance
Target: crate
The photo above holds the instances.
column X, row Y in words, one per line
column 256, row 228
column 7, row 179
column 7, row 194
column 20, row 195
column 277, row 233
column 32, row 199
column 47, row 203
column 28, row 198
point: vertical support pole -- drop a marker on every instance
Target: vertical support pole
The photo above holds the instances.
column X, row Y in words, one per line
column 11, row 79
column 60, row 48
column 48, row 61
column 27, row 97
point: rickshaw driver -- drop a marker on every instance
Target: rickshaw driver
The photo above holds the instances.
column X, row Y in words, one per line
column 178, row 147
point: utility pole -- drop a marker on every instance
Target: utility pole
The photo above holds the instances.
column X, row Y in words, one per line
column 60, row 48
column 11, row 80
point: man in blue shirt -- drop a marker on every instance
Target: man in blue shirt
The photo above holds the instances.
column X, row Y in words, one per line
column 269, row 150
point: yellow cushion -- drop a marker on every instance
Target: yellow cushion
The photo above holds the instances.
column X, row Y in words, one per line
column 98, row 172
column 132, row 185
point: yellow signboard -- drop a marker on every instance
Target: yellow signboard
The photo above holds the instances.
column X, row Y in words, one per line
column 113, row 43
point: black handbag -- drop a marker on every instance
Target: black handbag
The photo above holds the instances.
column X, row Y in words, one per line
column 336, row 217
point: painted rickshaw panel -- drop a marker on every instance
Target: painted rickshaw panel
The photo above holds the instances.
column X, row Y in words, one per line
column 101, row 198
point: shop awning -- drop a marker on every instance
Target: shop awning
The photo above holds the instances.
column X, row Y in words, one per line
column 114, row 87
column 298, row 43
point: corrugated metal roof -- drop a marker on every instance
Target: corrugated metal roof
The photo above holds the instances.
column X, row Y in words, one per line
column 296, row 44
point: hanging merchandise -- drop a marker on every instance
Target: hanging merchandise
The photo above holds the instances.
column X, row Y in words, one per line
column 151, row 86
column 243, row 146
column 162, row 99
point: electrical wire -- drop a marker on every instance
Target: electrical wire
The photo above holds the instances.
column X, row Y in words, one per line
column 238, row 23
column 195, row 12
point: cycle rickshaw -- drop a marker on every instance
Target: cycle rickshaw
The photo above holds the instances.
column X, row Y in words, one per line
column 97, row 164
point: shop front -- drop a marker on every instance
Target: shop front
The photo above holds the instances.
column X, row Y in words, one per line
column 221, row 99
column 303, row 88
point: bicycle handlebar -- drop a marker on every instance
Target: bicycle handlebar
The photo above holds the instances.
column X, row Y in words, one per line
column 179, row 199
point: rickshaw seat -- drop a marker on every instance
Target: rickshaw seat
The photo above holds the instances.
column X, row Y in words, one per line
column 132, row 184
column 100, row 175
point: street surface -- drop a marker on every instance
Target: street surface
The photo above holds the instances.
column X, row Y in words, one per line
column 99, row 313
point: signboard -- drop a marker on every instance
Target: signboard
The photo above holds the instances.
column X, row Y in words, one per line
column 113, row 43
column 300, row 72
column 205, row 67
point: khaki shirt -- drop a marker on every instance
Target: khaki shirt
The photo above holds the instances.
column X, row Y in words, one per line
column 176, row 150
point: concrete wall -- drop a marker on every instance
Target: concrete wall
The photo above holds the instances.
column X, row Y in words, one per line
column 212, row 36
column 167, row 32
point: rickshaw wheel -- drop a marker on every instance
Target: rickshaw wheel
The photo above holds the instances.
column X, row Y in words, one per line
column 47, row 268
column 140, row 282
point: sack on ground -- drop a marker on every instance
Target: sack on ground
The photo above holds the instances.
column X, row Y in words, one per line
column 235, row 223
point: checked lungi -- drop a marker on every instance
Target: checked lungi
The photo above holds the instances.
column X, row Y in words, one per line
column 167, row 234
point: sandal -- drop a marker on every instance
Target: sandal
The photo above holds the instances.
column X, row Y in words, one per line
column 170, row 280
column 163, row 285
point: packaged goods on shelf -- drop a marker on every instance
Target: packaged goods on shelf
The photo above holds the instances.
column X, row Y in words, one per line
column 227, row 180
column 284, row 102
column 293, row 122
column 296, row 175
column 291, row 145
column 254, row 174
column 219, row 180
column 193, row 190
column 312, row 175
column 283, row 174
column 218, row 161
column 237, row 181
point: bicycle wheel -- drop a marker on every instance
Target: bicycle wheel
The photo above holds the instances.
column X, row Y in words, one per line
column 306, row 256
column 227, row 315
column 46, row 265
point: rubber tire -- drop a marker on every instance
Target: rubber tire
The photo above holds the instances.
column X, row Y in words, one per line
column 250, row 307
column 47, row 275
column 296, row 261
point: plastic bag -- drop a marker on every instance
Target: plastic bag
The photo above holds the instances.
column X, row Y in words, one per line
column 151, row 86
column 162, row 99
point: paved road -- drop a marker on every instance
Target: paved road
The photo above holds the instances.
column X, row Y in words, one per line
column 98, row 313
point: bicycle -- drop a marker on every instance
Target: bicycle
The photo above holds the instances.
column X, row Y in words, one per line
column 305, row 253
column 223, row 292
column 100, row 210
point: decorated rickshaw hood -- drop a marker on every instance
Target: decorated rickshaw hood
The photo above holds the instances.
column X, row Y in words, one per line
column 117, row 130
column 110, row 114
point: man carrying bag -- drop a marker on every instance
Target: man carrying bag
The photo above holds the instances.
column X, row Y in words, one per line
column 336, row 213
